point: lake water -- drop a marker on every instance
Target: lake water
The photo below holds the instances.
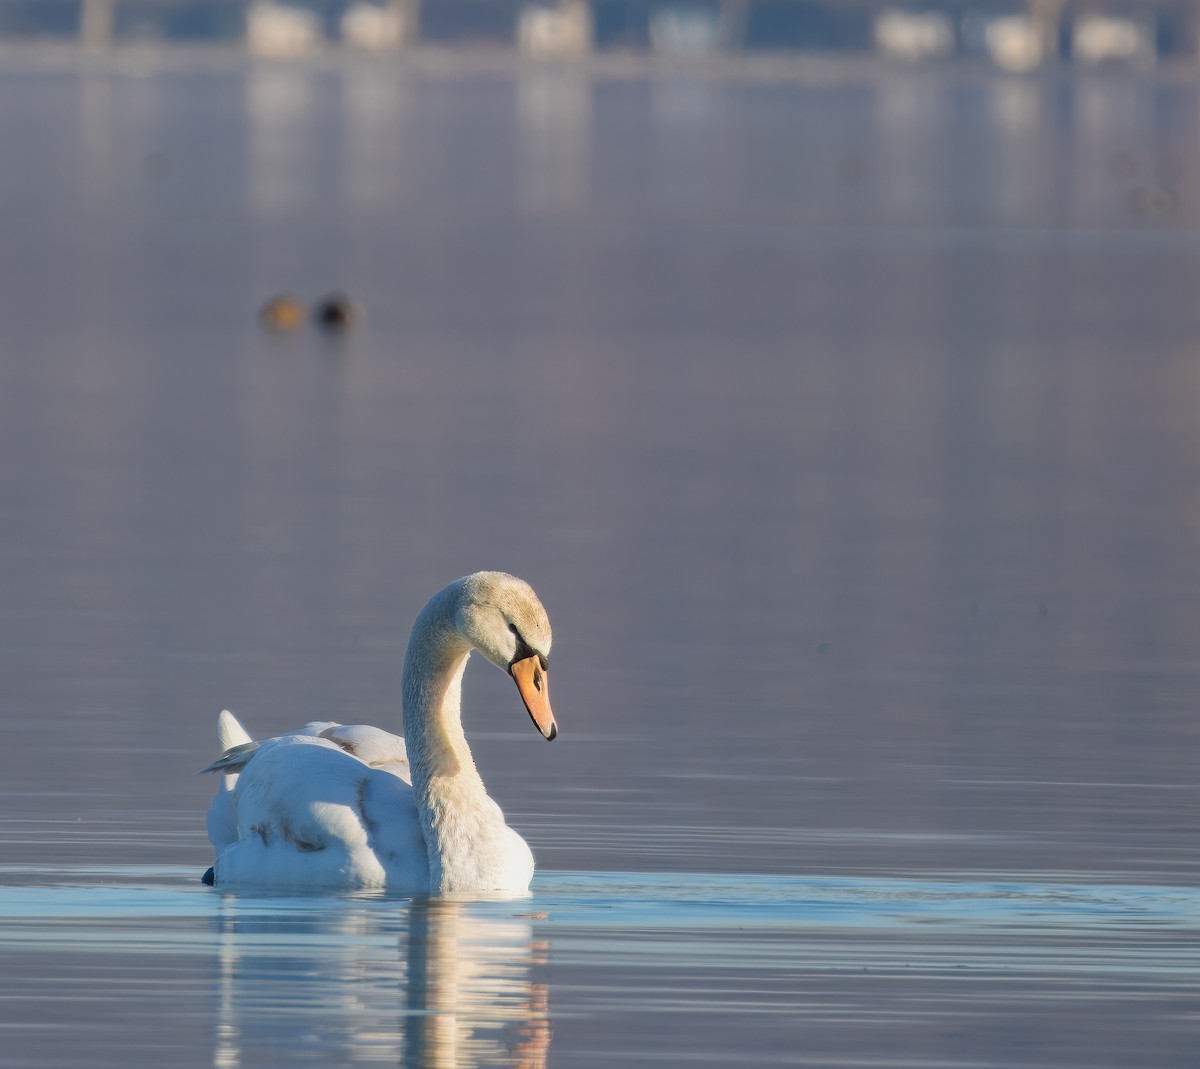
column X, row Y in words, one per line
column 847, row 426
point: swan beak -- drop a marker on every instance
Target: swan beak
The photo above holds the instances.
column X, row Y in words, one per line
column 535, row 693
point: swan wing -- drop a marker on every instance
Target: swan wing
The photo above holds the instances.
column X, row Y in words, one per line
column 230, row 732
column 305, row 813
column 235, row 741
column 372, row 746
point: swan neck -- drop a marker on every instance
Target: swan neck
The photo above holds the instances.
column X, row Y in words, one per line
column 469, row 845
column 433, row 671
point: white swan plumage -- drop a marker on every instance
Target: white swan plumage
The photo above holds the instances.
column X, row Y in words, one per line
column 354, row 807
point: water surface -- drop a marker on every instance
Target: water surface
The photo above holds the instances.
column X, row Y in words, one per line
column 598, row 967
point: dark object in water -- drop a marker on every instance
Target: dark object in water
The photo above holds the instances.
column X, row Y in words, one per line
column 283, row 313
column 335, row 312
column 209, row 879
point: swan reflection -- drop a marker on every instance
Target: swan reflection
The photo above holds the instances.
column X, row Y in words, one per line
column 430, row 983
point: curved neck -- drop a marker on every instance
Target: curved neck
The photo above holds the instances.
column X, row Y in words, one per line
column 450, row 794
column 433, row 670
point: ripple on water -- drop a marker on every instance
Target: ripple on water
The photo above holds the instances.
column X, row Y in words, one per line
column 636, row 966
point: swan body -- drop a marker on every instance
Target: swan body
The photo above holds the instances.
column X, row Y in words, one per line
column 355, row 807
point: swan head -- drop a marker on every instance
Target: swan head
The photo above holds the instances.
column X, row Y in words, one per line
column 503, row 619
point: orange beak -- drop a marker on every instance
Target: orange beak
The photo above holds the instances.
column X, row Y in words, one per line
column 535, row 693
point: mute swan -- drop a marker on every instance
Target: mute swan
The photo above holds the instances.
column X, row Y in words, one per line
column 334, row 806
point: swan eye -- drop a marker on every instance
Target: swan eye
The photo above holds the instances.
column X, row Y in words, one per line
column 524, row 651
column 513, row 628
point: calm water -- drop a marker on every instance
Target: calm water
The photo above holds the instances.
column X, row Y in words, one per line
column 848, row 429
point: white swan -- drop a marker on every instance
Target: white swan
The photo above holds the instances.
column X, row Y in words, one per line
column 334, row 806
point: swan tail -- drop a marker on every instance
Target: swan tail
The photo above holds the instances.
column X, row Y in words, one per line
column 230, row 732
column 232, row 760
column 236, row 745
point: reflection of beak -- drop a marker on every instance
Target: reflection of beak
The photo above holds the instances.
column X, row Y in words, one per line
column 535, row 693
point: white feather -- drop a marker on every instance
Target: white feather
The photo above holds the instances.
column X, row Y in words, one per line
column 341, row 806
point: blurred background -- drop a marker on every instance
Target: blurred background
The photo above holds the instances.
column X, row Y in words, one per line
column 829, row 368
column 1013, row 35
